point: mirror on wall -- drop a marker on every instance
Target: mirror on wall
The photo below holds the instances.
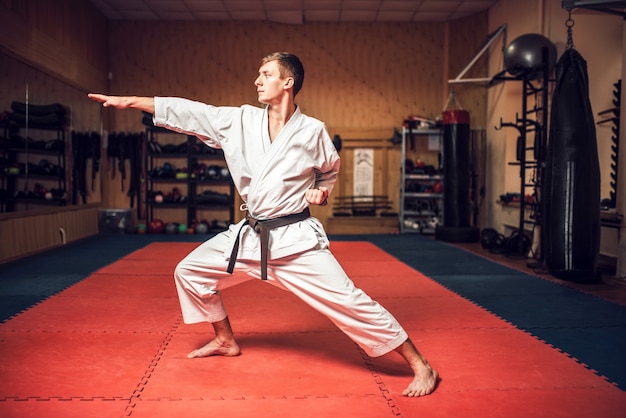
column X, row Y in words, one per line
column 50, row 141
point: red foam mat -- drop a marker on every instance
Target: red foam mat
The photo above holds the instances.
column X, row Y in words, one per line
column 304, row 407
column 140, row 267
column 115, row 285
column 517, row 403
column 65, row 408
column 292, row 365
column 113, row 345
column 74, row 365
column 493, row 359
column 163, row 250
column 91, row 313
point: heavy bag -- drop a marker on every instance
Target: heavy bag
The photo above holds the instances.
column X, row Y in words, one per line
column 570, row 230
column 456, row 184
column 456, row 152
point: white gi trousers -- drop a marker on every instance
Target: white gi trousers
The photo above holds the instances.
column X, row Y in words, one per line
column 314, row 276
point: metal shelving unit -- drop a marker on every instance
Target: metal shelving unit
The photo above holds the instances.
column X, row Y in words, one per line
column 421, row 188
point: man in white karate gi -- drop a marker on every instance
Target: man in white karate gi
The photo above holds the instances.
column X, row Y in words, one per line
column 281, row 161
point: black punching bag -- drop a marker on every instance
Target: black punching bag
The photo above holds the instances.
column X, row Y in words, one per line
column 456, row 184
column 571, row 187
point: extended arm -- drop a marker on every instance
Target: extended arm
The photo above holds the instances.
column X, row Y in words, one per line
column 125, row 102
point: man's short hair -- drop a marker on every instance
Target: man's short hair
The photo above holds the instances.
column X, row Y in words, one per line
column 290, row 66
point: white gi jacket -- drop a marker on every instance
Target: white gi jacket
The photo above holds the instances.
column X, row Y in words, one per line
column 271, row 177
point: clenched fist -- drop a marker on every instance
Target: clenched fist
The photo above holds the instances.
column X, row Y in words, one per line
column 316, row 196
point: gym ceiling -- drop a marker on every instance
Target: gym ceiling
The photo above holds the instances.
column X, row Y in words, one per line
column 292, row 11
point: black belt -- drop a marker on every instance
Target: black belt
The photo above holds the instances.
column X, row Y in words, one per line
column 263, row 226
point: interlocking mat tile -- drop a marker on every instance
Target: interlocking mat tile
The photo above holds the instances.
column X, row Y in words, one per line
column 114, row 345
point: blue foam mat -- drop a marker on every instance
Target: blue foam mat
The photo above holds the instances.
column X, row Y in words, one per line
column 586, row 327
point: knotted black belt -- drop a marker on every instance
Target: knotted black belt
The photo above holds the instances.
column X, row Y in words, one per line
column 263, row 227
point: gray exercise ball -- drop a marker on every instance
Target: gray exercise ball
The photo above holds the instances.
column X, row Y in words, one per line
column 525, row 54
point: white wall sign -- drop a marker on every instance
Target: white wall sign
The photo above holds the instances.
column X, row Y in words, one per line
column 363, row 172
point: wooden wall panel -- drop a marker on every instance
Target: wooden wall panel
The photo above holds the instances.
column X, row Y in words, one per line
column 465, row 40
column 65, row 38
column 357, row 75
column 44, row 229
column 362, row 79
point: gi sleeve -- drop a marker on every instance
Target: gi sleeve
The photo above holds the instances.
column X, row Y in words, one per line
column 329, row 162
column 189, row 117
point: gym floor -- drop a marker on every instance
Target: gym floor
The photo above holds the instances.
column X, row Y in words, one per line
column 609, row 288
column 100, row 335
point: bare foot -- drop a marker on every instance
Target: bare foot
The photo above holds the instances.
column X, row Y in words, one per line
column 424, row 382
column 216, row 348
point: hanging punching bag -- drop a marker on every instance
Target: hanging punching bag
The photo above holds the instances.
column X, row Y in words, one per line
column 456, row 185
column 571, row 186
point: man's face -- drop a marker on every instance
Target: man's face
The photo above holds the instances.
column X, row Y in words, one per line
column 269, row 84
